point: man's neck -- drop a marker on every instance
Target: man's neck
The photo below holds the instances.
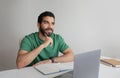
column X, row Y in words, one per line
column 41, row 36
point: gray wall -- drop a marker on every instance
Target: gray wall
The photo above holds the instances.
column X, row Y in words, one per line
column 84, row 24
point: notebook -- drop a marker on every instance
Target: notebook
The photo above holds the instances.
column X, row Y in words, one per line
column 112, row 62
column 86, row 65
column 54, row 67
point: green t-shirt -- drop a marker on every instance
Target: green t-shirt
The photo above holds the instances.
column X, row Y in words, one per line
column 32, row 41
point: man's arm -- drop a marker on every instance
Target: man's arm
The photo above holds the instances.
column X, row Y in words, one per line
column 67, row 56
column 24, row 58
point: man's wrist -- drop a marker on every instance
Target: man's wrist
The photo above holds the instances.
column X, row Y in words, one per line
column 52, row 60
column 42, row 45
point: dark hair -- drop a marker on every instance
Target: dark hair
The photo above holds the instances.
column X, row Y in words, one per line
column 46, row 13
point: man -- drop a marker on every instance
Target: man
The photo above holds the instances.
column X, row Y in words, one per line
column 44, row 46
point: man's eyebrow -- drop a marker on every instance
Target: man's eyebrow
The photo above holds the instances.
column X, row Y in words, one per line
column 48, row 22
column 45, row 21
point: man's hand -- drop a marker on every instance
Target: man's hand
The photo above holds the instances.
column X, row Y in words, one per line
column 43, row 62
column 48, row 41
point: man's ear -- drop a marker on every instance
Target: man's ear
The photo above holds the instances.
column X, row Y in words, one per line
column 38, row 25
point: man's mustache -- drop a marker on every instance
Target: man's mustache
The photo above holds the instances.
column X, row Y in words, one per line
column 49, row 29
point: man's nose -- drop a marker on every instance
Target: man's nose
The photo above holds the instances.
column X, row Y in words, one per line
column 50, row 25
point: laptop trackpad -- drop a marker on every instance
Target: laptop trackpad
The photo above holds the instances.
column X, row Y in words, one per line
column 66, row 75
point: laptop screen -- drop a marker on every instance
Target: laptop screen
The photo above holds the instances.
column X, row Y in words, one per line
column 86, row 65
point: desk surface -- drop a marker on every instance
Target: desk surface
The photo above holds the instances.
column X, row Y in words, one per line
column 30, row 72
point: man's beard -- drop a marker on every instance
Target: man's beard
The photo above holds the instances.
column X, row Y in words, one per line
column 43, row 31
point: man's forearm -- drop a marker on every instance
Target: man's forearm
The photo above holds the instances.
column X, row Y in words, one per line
column 61, row 59
column 25, row 59
column 64, row 58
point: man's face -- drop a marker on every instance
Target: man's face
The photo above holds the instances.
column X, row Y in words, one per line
column 47, row 25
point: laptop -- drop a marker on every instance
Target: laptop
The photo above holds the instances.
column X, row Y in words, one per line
column 86, row 65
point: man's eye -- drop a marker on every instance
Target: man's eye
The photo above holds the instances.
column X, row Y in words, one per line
column 45, row 22
column 53, row 23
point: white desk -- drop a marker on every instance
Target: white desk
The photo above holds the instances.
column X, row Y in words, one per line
column 30, row 72
column 21, row 73
column 109, row 72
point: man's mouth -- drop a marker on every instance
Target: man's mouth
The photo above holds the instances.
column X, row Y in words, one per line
column 49, row 30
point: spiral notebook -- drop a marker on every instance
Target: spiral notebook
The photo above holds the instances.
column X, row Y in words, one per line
column 54, row 67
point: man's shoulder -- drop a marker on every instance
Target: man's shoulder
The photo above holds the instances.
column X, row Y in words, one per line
column 32, row 35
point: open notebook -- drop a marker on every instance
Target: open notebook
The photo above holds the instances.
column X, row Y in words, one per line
column 54, row 67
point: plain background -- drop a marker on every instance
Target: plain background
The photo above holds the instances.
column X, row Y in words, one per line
column 84, row 25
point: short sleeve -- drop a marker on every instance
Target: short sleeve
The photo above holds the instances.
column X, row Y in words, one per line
column 25, row 44
column 62, row 45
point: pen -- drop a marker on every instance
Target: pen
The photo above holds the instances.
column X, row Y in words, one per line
column 45, row 35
